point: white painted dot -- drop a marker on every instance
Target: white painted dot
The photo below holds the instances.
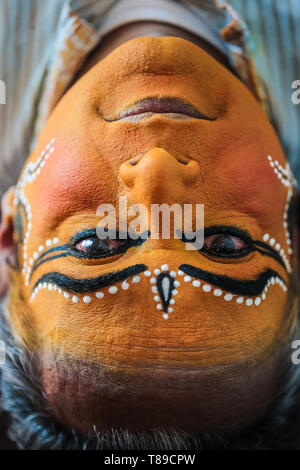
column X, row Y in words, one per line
column 257, row 301
column 266, row 237
column 153, row 280
column 45, row 285
column 196, row 283
column 165, row 316
column 240, row 300
column 180, row 273
column 75, row 299
column 159, row 306
column 87, row 299
column 187, row 278
column 154, row 289
column 273, row 280
column 35, row 255
column 156, row 298
column 172, row 301
column 55, row 240
column 173, row 273
column 136, row 279
column 218, row 292
column 206, row 288
column 269, row 158
column 99, row 295
column 263, row 295
column 176, row 283
column 147, row 273
column 174, row 292
column 113, row 290
column 55, row 287
column 59, row 291
column 48, row 242
column 125, row 285
column 157, row 272
column 31, row 261
column 249, row 302
column 66, row 295
column 50, row 286
column 170, row 309
column 164, row 267
column 272, row 241
column 41, row 248
column 228, row 297
column 277, row 246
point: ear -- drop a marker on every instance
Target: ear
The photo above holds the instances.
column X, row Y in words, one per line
column 7, row 242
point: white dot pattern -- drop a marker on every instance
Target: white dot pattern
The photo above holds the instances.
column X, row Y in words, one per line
column 32, row 170
column 286, row 177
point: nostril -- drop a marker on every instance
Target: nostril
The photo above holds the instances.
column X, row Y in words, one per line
column 183, row 162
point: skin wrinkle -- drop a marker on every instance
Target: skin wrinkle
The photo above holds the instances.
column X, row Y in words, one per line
column 225, row 343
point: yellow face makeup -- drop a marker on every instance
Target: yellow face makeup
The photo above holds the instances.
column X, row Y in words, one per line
column 184, row 333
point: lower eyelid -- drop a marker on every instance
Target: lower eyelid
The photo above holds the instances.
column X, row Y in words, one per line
column 246, row 257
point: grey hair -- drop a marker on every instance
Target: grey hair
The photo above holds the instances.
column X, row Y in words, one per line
column 33, row 427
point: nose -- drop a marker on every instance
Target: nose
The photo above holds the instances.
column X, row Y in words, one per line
column 159, row 177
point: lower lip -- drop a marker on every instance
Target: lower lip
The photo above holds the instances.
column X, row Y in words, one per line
column 169, row 107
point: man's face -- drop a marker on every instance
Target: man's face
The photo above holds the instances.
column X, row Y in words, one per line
column 143, row 334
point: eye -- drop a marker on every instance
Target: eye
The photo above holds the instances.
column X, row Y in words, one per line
column 93, row 247
column 225, row 245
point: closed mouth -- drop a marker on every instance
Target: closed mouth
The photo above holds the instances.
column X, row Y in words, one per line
column 172, row 108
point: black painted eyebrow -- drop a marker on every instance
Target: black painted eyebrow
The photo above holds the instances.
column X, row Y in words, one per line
column 253, row 287
column 80, row 286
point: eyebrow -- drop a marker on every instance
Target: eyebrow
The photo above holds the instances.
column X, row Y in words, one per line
column 253, row 287
column 91, row 284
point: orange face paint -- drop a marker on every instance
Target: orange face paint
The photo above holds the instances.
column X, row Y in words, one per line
column 170, row 308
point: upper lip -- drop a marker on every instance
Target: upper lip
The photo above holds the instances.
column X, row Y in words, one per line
column 161, row 106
